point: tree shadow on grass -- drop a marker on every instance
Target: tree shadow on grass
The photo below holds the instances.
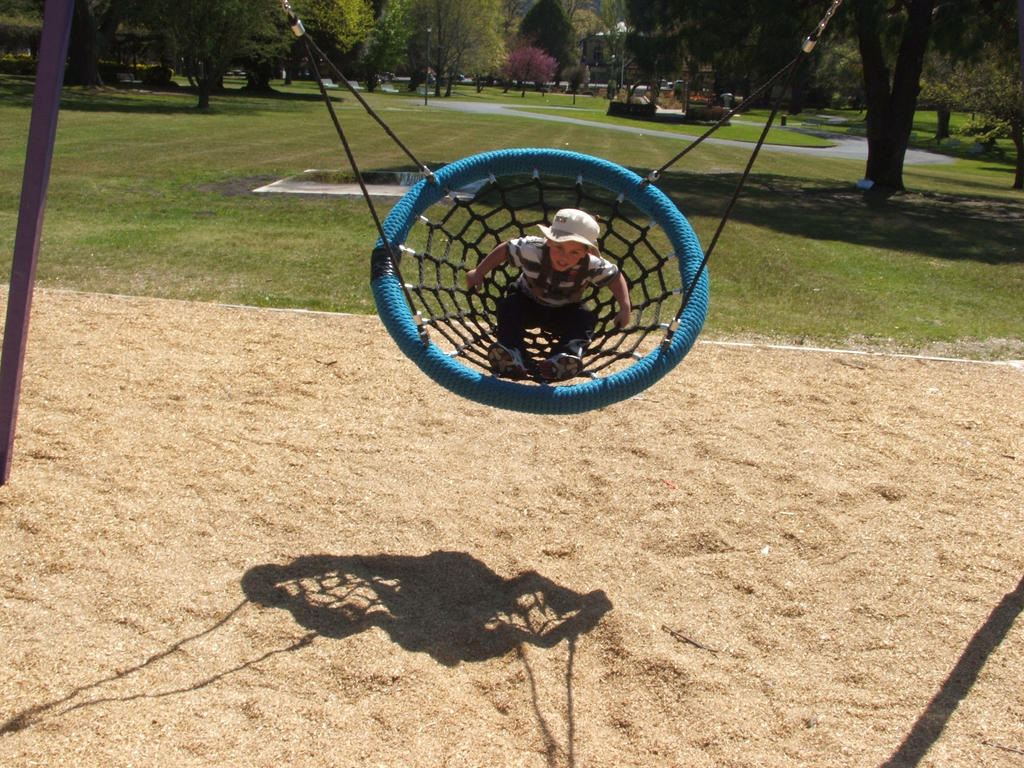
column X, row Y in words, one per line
column 941, row 226
column 447, row 604
column 145, row 99
column 940, row 709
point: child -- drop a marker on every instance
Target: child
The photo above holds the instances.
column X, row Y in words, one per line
column 554, row 272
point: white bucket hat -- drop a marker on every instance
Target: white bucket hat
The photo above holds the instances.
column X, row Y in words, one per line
column 573, row 224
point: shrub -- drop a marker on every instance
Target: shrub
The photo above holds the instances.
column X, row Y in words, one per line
column 20, row 33
column 622, row 109
column 17, row 64
column 157, row 76
column 705, row 114
column 153, row 75
column 985, row 129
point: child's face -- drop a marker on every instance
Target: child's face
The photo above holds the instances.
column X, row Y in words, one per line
column 566, row 255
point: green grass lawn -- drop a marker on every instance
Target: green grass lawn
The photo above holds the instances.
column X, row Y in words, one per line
column 148, row 196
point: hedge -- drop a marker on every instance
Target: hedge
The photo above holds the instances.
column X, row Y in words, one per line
column 154, row 75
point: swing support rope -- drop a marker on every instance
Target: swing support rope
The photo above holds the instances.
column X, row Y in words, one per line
column 315, row 55
column 788, row 72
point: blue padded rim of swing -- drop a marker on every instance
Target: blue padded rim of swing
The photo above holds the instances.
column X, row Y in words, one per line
column 532, row 398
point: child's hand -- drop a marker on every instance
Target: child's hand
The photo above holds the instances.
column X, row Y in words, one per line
column 475, row 277
column 623, row 317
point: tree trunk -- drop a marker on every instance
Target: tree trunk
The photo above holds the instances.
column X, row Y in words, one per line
column 203, row 89
column 797, row 91
column 258, row 76
column 1017, row 131
column 891, row 98
column 83, row 48
column 942, row 115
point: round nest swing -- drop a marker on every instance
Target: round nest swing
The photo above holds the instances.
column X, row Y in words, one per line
column 448, row 222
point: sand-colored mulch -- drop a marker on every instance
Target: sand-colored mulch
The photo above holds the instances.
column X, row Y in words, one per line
column 238, row 537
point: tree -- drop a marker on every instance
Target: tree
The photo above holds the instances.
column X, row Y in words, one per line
column 511, row 15
column 743, row 42
column 575, row 78
column 529, row 64
column 387, row 44
column 209, row 34
column 836, row 74
column 1007, row 91
column 336, row 26
column 93, row 24
column 482, row 47
column 1007, row 103
column 961, row 40
column 613, row 14
column 585, row 23
column 991, row 89
column 459, row 31
column 939, row 92
column 21, row 24
column 892, row 37
column 547, row 27
column 892, row 42
column 25, row 9
column 576, row 8
column 262, row 53
column 655, row 41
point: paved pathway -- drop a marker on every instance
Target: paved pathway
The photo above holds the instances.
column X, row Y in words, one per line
column 844, row 147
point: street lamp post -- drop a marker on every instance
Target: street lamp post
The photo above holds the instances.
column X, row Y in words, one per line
column 426, row 80
column 621, row 30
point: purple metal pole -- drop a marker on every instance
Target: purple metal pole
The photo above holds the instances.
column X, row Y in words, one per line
column 42, row 130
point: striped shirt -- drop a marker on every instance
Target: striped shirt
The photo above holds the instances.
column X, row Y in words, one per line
column 539, row 280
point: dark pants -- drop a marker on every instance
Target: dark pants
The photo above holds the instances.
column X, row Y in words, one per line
column 517, row 312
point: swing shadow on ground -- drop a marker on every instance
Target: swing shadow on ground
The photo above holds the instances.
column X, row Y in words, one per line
column 930, row 725
column 446, row 604
column 92, row 694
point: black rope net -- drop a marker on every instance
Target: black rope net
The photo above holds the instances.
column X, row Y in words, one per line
column 454, row 235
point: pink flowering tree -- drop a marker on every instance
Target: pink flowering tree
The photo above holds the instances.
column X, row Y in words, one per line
column 529, row 64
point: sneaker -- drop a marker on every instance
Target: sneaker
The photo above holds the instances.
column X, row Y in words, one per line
column 560, row 367
column 507, row 362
